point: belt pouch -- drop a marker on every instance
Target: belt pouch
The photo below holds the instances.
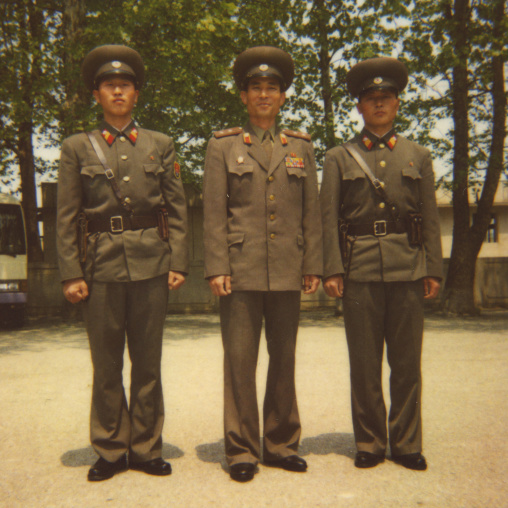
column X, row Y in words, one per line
column 163, row 224
column 415, row 229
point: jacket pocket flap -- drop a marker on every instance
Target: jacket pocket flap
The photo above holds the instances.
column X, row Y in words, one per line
column 298, row 172
column 411, row 172
column 234, row 238
column 92, row 171
column 153, row 168
column 241, row 169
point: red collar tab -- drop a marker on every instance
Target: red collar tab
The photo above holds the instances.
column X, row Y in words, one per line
column 283, row 139
column 132, row 135
column 108, row 136
column 391, row 142
column 247, row 139
column 367, row 142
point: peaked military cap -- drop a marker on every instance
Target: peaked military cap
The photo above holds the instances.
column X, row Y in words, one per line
column 112, row 59
column 265, row 61
column 376, row 74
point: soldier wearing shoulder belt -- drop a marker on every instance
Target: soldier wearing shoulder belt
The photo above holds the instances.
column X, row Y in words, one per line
column 382, row 254
column 122, row 243
column 262, row 235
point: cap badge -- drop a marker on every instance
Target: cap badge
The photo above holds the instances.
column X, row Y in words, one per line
column 116, row 64
column 378, row 80
column 263, row 67
column 177, row 170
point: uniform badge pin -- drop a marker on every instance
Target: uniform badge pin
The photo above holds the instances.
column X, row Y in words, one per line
column 411, row 164
column 152, row 158
column 293, row 154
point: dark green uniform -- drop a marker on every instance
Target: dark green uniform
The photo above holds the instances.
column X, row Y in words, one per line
column 127, row 275
column 383, row 298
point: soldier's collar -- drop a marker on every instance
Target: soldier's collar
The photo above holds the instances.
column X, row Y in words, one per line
column 369, row 139
column 259, row 133
column 110, row 133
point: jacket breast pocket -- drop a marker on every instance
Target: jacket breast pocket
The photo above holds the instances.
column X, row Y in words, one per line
column 241, row 169
column 153, row 169
column 92, row 171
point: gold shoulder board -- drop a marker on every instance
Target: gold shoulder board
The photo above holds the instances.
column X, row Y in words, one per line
column 228, row 132
column 296, row 134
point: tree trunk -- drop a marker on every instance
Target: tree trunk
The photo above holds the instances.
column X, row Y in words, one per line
column 72, row 115
column 459, row 288
column 468, row 240
column 30, row 24
column 324, row 69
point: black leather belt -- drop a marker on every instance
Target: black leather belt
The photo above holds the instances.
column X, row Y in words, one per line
column 120, row 223
column 377, row 228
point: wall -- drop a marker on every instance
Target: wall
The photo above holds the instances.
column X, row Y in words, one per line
column 45, row 294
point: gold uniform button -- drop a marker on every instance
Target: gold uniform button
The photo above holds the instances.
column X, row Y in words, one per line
column 122, row 139
column 381, row 145
column 272, row 236
column 272, row 216
column 124, row 157
column 382, row 205
column 272, row 197
column 127, row 200
column 126, row 178
column 382, row 164
column 270, row 178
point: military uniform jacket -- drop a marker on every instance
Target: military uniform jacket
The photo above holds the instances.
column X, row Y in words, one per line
column 143, row 163
column 346, row 192
column 261, row 219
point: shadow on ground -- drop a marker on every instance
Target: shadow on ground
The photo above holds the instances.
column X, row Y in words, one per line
column 87, row 456
column 324, row 444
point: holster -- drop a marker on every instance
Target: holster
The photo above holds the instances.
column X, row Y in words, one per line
column 415, row 229
column 163, row 223
column 82, row 236
column 343, row 227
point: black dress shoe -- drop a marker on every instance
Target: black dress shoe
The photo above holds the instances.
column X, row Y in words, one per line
column 242, row 472
column 364, row 460
column 156, row 467
column 414, row 461
column 104, row 470
column 291, row 463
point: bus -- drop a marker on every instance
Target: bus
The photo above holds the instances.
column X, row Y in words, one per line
column 13, row 262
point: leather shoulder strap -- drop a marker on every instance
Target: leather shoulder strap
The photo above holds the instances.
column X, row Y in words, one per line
column 109, row 173
column 379, row 186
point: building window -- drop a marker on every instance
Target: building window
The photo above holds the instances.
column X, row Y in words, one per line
column 491, row 236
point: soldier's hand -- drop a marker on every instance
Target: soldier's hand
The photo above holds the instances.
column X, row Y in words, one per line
column 220, row 285
column 334, row 286
column 431, row 287
column 75, row 290
column 310, row 284
column 175, row 280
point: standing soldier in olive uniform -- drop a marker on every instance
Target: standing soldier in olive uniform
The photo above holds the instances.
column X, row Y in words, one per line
column 122, row 243
column 378, row 202
column 262, row 234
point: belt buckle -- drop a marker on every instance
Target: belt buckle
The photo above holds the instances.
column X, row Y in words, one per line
column 116, row 224
column 380, row 228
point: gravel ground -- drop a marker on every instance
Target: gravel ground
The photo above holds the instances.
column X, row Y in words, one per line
column 45, row 399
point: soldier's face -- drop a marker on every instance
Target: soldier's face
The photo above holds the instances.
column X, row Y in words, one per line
column 117, row 96
column 379, row 109
column 263, row 99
